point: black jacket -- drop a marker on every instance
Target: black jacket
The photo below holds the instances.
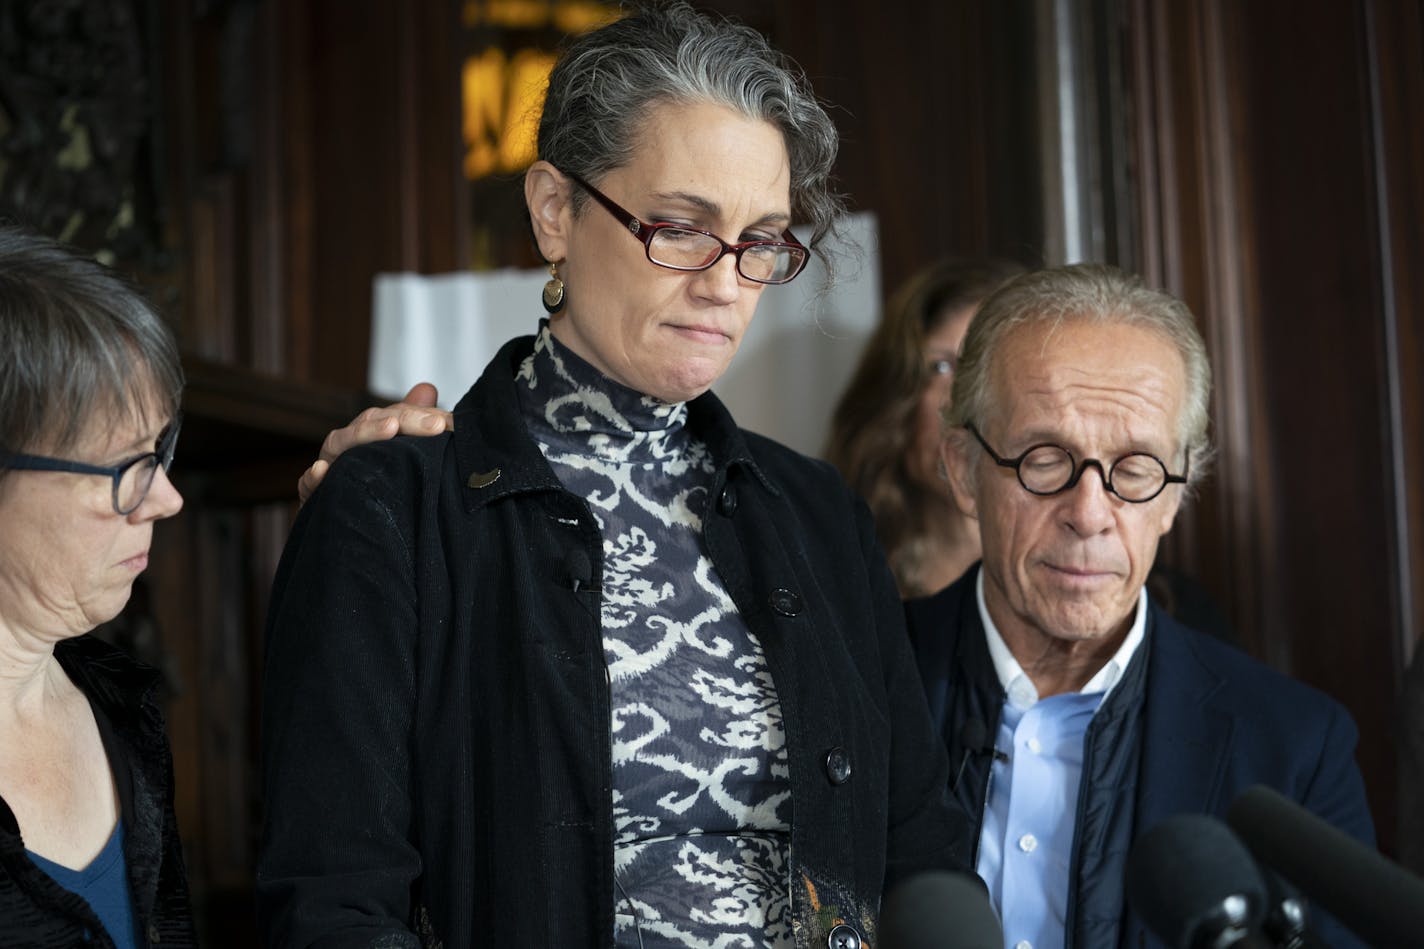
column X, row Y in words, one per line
column 437, row 748
column 1191, row 724
column 35, row 912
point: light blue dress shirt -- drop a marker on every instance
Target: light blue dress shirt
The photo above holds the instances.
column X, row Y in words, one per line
column 1026, row 843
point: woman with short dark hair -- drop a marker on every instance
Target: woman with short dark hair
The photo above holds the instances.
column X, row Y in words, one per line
column 90, row 382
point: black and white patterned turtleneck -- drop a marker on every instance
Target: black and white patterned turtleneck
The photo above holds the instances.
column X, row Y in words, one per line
column 701, row 787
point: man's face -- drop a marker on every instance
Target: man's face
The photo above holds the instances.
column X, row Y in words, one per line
column 1070, row 566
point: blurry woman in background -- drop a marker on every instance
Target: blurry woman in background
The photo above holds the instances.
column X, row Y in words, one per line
column 90, row 384
column 886, row 432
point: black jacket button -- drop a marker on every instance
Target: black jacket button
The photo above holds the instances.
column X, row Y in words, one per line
column 843, row 937
column 727, row 501
column 785, row 602
column 154, row 936
column 838, row 766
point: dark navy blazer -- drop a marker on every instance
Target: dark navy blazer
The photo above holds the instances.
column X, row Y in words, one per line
column 1213, row 723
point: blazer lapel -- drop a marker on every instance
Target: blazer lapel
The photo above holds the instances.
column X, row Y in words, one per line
column 1186, row 738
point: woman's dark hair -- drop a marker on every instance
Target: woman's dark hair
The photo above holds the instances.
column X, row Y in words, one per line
column 79, row 346
column 603, row 85
column 873, row 425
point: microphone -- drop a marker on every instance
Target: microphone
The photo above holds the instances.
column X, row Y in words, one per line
column 1286, row 923
column 939, row 910
column 580, row 571
column 1377, row 899
column 1195, row 885
column 974, row 736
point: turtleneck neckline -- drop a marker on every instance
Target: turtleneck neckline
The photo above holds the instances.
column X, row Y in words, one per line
column 569, row 404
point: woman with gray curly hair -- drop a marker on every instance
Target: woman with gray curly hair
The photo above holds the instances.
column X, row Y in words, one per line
column 597, row 667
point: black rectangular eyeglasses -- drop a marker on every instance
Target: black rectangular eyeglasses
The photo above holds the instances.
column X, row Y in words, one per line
column 132, row 477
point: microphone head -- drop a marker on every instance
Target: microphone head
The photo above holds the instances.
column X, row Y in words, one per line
column 939, row 910
column 1287, row 912
column 1380, row 901
column 974, row 735
column 1194, row 884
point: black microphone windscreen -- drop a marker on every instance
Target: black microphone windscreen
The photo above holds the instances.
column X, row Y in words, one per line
column 939, row 910
column 1287, row 920
column 974, row 735
column 1194, row 884
column 1380, row 901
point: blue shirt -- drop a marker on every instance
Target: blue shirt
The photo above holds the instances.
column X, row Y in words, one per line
column 104, row 885
column 1026, row 842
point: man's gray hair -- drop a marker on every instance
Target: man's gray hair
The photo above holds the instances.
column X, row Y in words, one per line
column 79, row 347
column 603, row 85
column 1094, row 293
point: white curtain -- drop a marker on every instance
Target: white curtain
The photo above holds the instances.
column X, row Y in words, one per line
column 785, row 380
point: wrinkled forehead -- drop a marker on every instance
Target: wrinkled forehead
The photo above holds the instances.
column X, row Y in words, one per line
column 1069, row 373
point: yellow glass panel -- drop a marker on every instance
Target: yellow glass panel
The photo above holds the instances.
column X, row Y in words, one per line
column 580, row 16
column 528, row 78
column 482, row 79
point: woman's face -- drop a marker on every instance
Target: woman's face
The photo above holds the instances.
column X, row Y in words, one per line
column 666, row 333
column 67, row 560
column 942, row 344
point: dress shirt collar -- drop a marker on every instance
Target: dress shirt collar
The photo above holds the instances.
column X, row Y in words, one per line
column 1020, row 688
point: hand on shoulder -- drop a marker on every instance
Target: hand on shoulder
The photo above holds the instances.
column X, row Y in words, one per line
column 416, row 414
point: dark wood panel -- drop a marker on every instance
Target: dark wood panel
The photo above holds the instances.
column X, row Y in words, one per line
column 936, row 108
column 1278, row 189
column 381, row 151
column 1319, row 309
column 1396, row 35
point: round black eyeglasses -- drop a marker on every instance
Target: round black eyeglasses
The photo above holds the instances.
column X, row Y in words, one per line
column 1046, row 469
column 132, row 478
column 678, row 247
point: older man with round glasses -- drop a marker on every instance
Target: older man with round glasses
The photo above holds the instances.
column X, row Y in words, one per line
column 1076, row 712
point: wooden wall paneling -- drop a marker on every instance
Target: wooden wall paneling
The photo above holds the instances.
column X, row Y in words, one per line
column 1319, row 308
column 288, row 29
column 1395, row 34
column 379, row 203
column 934, row 104
column 1258, row 197
column 1193, row 239
column 268, row 246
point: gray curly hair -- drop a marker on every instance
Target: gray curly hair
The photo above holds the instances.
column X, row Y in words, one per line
column 602, row 86
column 1096, row 293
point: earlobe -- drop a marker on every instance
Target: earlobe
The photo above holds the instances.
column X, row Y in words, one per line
column 961, row 479
column 546, row 192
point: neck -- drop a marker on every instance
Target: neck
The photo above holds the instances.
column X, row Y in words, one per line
column 1055, row 664
column 1058, row 666
column 29, row 672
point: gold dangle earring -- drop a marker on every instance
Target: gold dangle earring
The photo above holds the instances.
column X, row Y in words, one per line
column 553, row 296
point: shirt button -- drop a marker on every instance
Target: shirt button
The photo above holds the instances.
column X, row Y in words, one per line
column 1028, row 843
column 727, row 501
column 785, row 602
column 1034, row 745
column 838, row 766
column 843, row 937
